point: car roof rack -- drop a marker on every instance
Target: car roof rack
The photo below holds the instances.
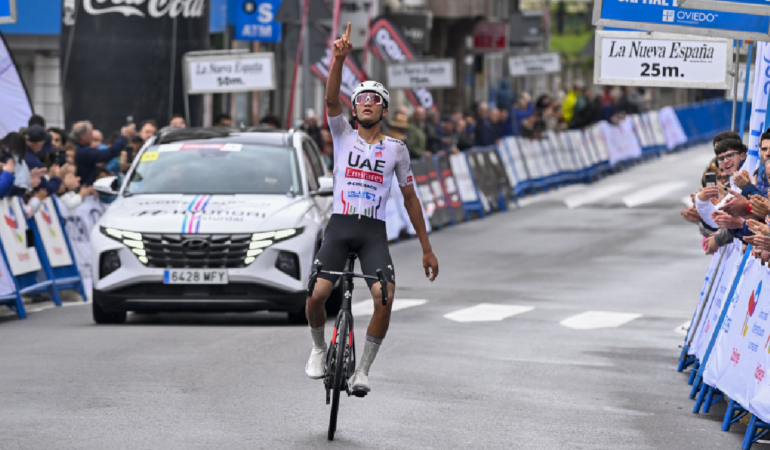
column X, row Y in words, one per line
column 175, row 134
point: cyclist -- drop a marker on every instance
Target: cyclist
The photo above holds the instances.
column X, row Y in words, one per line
column 364, row 164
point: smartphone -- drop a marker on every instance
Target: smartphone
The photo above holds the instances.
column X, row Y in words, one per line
column 129, row 120
column 711, row 179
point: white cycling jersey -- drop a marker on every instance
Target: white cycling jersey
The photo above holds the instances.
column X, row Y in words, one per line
column 363, row 172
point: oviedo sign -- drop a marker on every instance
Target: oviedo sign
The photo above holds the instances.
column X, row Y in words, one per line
column 661, row 59
column 138, row 50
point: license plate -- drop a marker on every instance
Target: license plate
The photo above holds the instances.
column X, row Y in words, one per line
column 195, row 276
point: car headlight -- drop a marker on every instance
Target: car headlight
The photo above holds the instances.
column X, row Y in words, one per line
column 130, row 239
column 260, row 241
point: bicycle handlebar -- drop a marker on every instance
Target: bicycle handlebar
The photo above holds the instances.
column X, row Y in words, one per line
column 319, row 269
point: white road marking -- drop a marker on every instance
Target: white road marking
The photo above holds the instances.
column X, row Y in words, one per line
column 366, row 307
column 596, row 194
column 682, row 329
column 590, row 320
column 485, row 312
column 652, row 193
column 557, row 194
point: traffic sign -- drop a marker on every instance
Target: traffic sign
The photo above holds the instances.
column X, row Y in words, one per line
column 739, row 6
column 7, row 11
column 255, row 20
column 664, row 15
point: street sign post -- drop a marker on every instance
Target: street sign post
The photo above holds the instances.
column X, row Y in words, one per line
column 760, row 7
column 630, row 58
column 209, row 73
column 665, row 16
column 524, row 65
column 7, row 11
column 437, row 73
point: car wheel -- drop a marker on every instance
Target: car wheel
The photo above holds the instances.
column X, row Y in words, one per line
column 334, row 302
column 104, row 317
column 298, row 318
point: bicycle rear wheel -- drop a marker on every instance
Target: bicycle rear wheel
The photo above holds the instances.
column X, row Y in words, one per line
column 339, row 363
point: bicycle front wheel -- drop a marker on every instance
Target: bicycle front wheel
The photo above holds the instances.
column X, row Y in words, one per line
column 338, row 381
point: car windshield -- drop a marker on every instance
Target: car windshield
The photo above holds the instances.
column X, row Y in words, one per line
column 215, row 168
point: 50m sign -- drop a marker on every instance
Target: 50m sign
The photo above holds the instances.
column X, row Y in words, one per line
column 660, row 59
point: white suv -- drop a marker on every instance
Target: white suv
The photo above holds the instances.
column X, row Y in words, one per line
column 212, row 220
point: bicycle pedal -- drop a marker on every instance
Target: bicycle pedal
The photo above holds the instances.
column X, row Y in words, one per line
column 360, row 394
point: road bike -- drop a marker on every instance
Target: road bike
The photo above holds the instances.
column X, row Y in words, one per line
column 341, row 355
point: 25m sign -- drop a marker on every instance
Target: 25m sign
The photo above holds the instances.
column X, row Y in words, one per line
column 631, row 58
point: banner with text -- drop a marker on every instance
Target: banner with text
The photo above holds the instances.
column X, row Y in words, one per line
column 630, row 58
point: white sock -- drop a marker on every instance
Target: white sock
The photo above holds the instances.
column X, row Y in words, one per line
column 370, row 352
column 318, row 338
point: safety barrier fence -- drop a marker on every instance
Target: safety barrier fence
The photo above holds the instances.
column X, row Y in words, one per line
column 483, row 180
column 50, row 252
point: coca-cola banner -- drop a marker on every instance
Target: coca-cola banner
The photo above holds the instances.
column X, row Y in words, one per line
column 124, row 58
column 389, row 44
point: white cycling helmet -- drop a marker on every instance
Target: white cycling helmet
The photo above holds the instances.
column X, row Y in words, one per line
column 371, row 86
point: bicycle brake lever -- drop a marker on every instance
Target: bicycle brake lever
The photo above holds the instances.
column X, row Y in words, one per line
column 383, row 287
column 313, row 278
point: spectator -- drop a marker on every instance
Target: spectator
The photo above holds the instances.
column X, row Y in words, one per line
column 177, row 120
column 485, row 133
column 507, row 123
column 87, row 157
column 147, row 129
column 14, row 148
column 495, row 116
column 504, row 98
column 97, row 139
column 223, row 120
column 72, row 193
column 310, row 126
column 36, row 138
column 612, row 111
column 7, row 178
column 327, row 149
column 69, row 151
column 415, row 135
column 99, row 173
column 57, row 155
column 433, row 134
column 462, row 140
column 36, row 119
column 586, row 110
column 272, row 121
column 397, row 129
column 524, row 109
column 571, row 100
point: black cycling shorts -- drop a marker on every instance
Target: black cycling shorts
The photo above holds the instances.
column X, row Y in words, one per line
column 365, row 236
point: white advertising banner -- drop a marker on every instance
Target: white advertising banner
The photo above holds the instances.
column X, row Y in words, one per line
column 703, row 291
column 6, row 280
column 758, row 105
column 79, row 222
column 439, row 73
column 16, row 109
column 21, row 254
column 51, row 234
column 738, row 363
column 630, row 58
column 671, row 127
column 521, row 66
column 633, row 149
column 723, row 282
column 244, row 72
column 462, row 172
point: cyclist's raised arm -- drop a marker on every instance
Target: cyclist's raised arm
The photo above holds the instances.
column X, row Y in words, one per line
column 341, row 48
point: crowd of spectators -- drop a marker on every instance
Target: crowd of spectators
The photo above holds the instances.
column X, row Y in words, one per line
column 736, row 206
column 39, row 161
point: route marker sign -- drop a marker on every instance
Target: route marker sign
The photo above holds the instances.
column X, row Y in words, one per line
column 631, row 58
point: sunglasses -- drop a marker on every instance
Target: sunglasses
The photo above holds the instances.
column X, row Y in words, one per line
column 727, row 155
column 370, row 97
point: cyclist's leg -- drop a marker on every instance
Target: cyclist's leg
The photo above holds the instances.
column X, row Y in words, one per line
column 374, row 254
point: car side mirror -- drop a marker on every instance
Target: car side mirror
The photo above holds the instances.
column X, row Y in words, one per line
column 325, row 187
column 107, row 185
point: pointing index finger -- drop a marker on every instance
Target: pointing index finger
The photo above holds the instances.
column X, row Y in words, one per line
column 347, row 33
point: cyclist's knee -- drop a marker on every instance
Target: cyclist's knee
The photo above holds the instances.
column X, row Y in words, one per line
column 321, row 292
